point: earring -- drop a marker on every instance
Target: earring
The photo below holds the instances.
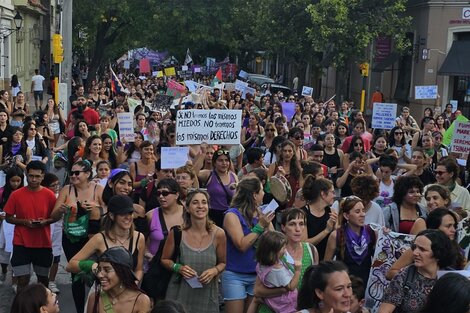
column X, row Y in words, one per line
column 120, row 287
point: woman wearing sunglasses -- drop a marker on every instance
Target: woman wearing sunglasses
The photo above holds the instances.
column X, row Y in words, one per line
column 269, row 133
column 160, row 220
column 218, row 183
column 78, row 199
column 398, row 143
column 251, row 135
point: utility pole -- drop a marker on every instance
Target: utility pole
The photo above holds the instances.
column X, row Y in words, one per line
column 66, row 32
column 364, row 67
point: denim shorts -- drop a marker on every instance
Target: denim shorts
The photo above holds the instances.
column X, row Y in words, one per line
column 236, row 286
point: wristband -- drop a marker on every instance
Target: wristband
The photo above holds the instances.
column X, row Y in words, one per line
column 257, row 229
column 176, row 267
column 86, row 265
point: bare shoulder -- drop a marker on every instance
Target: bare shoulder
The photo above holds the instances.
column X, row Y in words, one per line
column 142, row 303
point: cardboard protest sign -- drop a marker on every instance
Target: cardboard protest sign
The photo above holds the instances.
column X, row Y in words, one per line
column 248, row 90
column 162, row 103
column 243, row 74
column 126, row 126
column 461, row 138
column 384, row 115
column 127, row 64
column 174, row 157
column 197, row 69
column 170, row 71
column 184, row 68
column 240, row 85
column 426, row 92
column 288, row 108
column 191, row 85
column 144, row 66
column 388, row 249
column 230, row 86
column 159, row 74
column 174, row 89
column 221, row 127
column 307, row 91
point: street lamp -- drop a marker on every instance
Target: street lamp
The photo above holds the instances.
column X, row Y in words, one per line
column 5, row 33
column 18, row 20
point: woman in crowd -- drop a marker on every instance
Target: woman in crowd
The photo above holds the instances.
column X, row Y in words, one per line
column 243, row 223
column 269, row 134
column 450, row 294
column 251, row 135
column 202, row 256
column 56, row 119
column 108, row 151
column 366, row 188
column 447, row 172
column 143, row 171
column 440, row 219
column 103, row 170
column 288, row 166
column 405, row 209
column 15, row 151
column 296, row 136
column 357, row 165
column 293, row 223
column 117, row 286
column 218, row 183
column 104, row 128
column 118, row 231
column 34, row 142
column 274, row 151
column 441, row 125
column 160, row 221
column 131, row 153
column 326, row 287
column 81, row 130
column 353, row 242
column 35, row 298
column 408, row 290
column 407, row 123
column 186, row 178
column 342, row 132
column 379, row 145
column 332, row 157
column 92, row 151
column 398, row 142
column 78, row 199
column 321, row 221
column 5, row 103
column 19, row 110
column 356, row 145
column 307, row 120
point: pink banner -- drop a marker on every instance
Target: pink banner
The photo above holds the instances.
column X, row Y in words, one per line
column 144, row 65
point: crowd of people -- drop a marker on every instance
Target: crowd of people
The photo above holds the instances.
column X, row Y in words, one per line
column 195, row 238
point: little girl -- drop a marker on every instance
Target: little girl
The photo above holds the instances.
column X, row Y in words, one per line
column 273, row 272
column 14, row 179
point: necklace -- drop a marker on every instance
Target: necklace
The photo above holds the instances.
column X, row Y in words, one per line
column 199, row 246
column 115, row 299
column 121, row 242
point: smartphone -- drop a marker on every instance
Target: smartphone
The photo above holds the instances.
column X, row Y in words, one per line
column 36, row 222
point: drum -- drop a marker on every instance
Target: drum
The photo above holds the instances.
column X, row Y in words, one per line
column 280, row 188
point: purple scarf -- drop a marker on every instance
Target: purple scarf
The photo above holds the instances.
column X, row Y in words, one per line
column 357, row 245
column 15, row 148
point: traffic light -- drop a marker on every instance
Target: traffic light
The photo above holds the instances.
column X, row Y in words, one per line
column 57, row 49
column 364, row 69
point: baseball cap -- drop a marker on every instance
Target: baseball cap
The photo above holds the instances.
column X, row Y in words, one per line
column 118, row 255
column 120, row 205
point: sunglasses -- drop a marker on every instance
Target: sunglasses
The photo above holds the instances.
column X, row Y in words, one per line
column 270, row 130
column 75, row 173
column 398, row 133
column 439, row 172
column 358, row 144
column 222, row 152
column 32, row 129
column 165, row 193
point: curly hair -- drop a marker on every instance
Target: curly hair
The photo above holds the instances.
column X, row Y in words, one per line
column 403, row 185
column 365, row 187
column 441, row 247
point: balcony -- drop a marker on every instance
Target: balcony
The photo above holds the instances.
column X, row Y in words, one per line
column 31, row 6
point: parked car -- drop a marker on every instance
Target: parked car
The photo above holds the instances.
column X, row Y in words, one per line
column 275, row 88
column 259, row 79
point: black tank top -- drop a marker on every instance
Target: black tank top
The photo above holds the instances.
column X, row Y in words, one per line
column 331, row 160
column 316, row 225
column 135, row 253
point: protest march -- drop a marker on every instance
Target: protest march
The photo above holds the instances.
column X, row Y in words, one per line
column 198, row 189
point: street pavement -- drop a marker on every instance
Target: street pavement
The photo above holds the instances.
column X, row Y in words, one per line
column 64, row 283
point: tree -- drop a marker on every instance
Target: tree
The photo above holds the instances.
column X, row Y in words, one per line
column 107, row 29
column 344, row 30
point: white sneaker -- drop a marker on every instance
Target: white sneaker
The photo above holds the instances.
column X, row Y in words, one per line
column 53, row 287
column 14, row 287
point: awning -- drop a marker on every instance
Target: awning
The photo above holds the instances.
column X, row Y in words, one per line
column 387, row 62
column 457, row 62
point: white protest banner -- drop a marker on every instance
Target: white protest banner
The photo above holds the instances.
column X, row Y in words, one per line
column 384, row 115
column 461, row 138
column 248, row 90
column 174, row 157
column 184, row 68
column 240, row 85
column 388, row 249
column 307, row 91
column 426, row 92
column 127, row 64
column 243, row 74
column 197, row 70
column 455, row 104
column 221, row 127
column 126, row 126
